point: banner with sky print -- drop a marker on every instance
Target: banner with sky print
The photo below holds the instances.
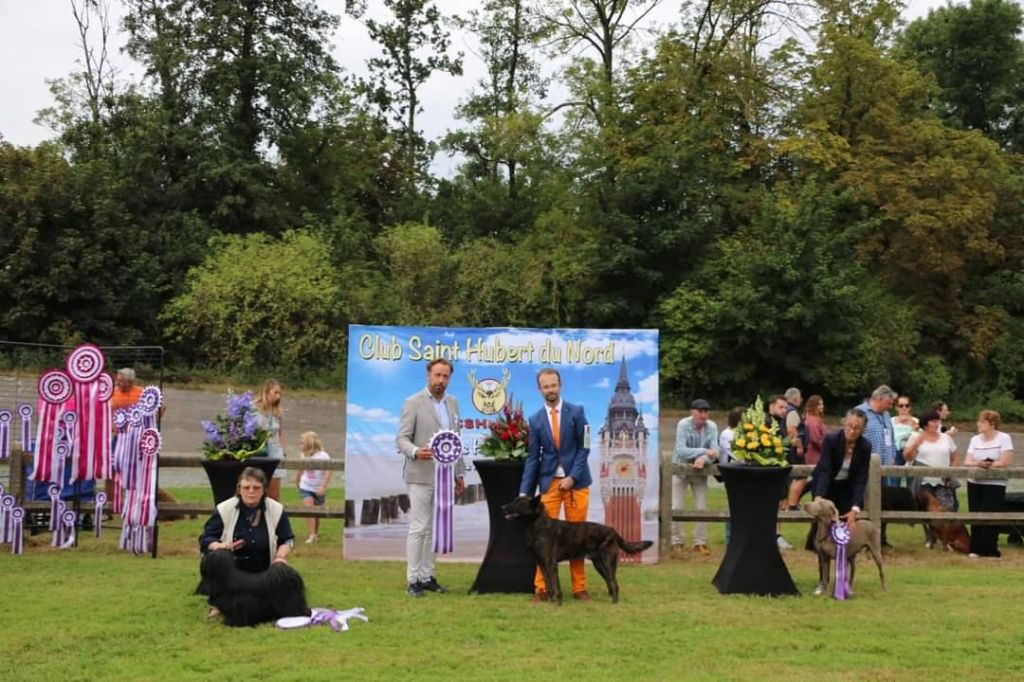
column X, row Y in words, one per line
column 612, row 373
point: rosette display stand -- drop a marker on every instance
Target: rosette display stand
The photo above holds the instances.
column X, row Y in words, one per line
column 507, row 565
column 752, row 563
column 223, row 473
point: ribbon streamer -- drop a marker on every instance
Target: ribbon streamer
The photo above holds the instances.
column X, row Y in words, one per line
column 338, row 620
column 6, row 417
column 58, row 525
column 25, row 411
column 100, row 499
column 841, row 536
column 17, row 521
column 6, row 518
column 68, row 521
column 447, row 449
column 55, row 504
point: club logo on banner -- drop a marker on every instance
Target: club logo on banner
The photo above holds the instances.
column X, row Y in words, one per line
column 611, row 374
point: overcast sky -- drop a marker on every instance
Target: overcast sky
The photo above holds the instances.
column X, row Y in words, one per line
column 38, row 41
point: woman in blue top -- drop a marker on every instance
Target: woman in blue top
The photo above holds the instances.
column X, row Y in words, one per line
column 268, row 405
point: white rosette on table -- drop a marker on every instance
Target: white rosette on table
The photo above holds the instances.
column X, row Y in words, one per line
column 446, row 447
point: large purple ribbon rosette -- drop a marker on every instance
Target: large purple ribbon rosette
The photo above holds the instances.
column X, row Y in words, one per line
column 446, row 447
column 841, row 536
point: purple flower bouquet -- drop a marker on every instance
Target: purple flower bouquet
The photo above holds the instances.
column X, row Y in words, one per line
column 237, row 434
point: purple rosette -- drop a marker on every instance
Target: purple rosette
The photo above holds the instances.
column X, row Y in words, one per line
column 26, row 411
column 17, row 517
column 54, row 492
column 135, row 416
column 106, row 388
column 149, row 443
column 68, row 519
column 121, row 419
column 100, row 499
column 841, row 536
column 55, row 386
column 6, row 417
column 85, row 363
column 446, row 447
column 6, row 520
column 149, row 400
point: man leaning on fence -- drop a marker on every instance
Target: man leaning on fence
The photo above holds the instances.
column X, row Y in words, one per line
column 696, row 444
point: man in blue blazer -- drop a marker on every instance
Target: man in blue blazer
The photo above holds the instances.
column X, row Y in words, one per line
column 557, row 457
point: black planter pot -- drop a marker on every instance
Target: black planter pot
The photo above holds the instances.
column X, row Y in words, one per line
column 752, row 563
column 507, row 566
column 223, row 474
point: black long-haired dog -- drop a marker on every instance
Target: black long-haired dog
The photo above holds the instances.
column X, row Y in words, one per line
column 246, row 599
column 553, row 540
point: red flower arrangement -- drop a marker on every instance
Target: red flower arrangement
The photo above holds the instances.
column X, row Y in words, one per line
column 509, row 434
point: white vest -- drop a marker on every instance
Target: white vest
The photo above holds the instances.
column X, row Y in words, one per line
column 228, row 510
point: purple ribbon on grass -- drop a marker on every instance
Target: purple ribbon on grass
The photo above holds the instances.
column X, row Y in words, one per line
column 841, row 536
column 446, row 447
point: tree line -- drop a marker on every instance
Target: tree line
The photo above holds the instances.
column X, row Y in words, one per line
column 814, row 194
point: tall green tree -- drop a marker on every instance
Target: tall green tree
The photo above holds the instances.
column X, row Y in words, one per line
column 415, row 45
column 975, row 53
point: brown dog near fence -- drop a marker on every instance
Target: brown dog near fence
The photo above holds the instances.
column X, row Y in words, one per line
column 951, row 534
column 553, row 540
column 865, row 535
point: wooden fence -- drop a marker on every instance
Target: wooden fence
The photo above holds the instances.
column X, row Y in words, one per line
column 872, row 503
column 167, row 509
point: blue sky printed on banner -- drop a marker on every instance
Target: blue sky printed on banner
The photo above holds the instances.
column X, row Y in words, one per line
column 388, row 364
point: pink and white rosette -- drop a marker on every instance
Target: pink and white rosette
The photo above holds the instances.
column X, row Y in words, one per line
column 841, row 536
column 55, row 393
column 446, row 447
column 6, row 419
column 17, row 516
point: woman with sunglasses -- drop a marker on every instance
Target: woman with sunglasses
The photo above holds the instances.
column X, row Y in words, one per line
column 904, row 424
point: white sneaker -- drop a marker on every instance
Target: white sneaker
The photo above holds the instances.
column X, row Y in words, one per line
column 972, row 555
column 781, row 542
column 311, row 539
column 928, row 544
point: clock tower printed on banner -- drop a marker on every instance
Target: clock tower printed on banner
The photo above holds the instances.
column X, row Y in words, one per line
column 623, row 444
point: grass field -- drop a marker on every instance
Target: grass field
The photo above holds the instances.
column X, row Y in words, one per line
column 97, row 613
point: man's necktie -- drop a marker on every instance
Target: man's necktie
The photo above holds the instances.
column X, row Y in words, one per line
column 555, row 429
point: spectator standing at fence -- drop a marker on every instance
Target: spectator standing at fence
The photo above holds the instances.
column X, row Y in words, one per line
column 814, row 425
column 942, row 408
column 989, row 449
column 696, row 444
column 725, row 449
column 424, row 413
column 268, row 407
column 904, row 424
column 879, row 430
column 312, row 484
column 778, row 408
column 931, row 448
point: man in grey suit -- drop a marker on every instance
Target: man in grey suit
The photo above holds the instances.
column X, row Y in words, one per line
column 424, row 413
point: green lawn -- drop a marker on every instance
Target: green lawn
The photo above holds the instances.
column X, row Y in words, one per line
column 97, row 613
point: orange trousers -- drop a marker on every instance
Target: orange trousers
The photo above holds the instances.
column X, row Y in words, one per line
column 575, row 503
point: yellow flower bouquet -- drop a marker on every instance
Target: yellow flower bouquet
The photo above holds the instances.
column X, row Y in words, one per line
column 757, row 443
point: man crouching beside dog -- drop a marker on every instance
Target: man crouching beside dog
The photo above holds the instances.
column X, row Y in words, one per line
column 559, row 444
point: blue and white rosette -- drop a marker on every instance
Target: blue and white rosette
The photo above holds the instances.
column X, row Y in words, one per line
column 841, row 536
column 446, row 447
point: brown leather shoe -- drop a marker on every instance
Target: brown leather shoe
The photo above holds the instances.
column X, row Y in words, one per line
column 702, row 550
column 678, row 552
column 539, row 597
column 582, row 596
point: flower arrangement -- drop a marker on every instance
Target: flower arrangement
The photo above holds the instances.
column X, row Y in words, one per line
column 509, row 434
column 236, row 435
column 757, row 443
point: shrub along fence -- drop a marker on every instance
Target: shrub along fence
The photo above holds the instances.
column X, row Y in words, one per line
column 873, row 502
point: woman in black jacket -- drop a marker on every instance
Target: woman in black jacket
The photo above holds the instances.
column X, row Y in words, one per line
column 841, row 474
